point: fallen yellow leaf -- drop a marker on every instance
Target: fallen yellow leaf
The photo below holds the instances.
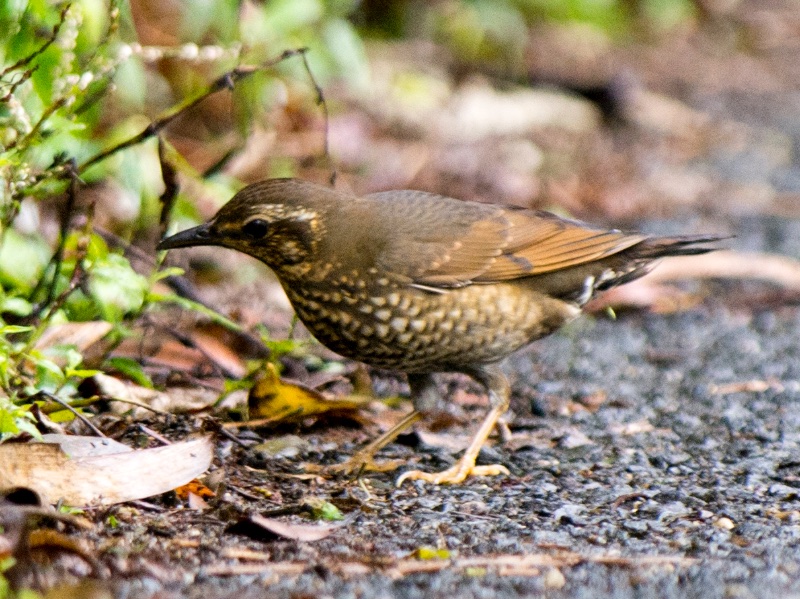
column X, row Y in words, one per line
column 273, row 398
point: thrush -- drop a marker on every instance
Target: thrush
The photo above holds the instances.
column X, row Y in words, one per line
column 421, row 283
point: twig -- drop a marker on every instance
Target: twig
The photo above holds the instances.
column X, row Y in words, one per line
column 34, row 132
column 138, row 404
column 23, row 61
column 324, row 105
column 77, row 414
column 58, row 257
column 171, row 186
column 151, row 433
column 226, row 81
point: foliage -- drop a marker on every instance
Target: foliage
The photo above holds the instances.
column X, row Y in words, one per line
column 73, row 109
column 497, row 31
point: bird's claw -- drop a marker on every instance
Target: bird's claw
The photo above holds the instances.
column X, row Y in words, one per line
column 356, row 465
column 454, row 475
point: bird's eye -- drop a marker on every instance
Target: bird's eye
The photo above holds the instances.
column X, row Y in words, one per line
column 256, row 228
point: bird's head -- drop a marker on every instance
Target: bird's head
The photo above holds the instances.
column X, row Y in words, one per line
column 278, row 221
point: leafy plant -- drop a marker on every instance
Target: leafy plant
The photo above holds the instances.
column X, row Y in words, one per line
column 72, row 115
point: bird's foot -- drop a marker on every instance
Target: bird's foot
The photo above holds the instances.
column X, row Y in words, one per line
column 454, row 475
column 362, row 461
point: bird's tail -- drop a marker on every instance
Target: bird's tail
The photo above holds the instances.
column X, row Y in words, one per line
column 639, row 259
column 686, row 245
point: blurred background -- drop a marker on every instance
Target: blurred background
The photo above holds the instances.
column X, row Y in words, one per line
column 613, row 110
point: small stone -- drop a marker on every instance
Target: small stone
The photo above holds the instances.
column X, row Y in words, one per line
column 725, row 523
column 554, row 579
column 782, row 491
column 287, row 446
column 737, row 591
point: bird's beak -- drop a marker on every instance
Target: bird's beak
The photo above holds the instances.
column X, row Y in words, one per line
column 200, row 235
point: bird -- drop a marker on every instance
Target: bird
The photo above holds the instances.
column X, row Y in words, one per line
column 420, row 283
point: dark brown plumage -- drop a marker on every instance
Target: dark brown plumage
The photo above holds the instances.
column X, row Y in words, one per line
column 421, row 283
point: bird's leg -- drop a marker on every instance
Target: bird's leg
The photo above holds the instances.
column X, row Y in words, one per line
column 426, row 397
column 491, row 377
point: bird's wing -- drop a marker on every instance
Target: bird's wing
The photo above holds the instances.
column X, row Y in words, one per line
column 540, row 242
column 440, row 242
column 437, row 241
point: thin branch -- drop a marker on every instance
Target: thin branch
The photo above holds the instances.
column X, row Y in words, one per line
column 69, row 209
column 56, row 28
column 226, row 81
column 31, row 135
column 324, row 105
column 171, row 186
column 77, row 414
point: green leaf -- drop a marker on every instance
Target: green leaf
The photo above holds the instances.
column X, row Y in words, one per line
column 16, row 419
column 117, row 288
column 323, row 510
column 82, row 373
column 131, row 369
column 11, row 329
column 427, row 553
column 61, row 416
column 49, row 377
column 171, row 271
column 22, row 260
column 17, row 306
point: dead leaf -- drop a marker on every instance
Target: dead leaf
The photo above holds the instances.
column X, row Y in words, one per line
column 177, row 400
column 196, row 503
column 194, row 487
column 76, row 446
column 754, row 386
column 273, row 399
column 256, row 526
column 219, row 352
column 770, row 268
column 81, row 335
column 632, row 428
column 103, row 478
column 650, row 291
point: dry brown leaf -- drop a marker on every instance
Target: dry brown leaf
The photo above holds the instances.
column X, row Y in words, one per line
column 76, row 446
column 105, row 478
column 81, row 335
column 177, row 400
column 219, row 352
column 289, row 530
column 651, row 292
column 196, row 503
column 194, row 487
column 754, row 386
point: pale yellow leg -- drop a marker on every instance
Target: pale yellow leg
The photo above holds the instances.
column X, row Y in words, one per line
column 499, row 395
column 363, row 459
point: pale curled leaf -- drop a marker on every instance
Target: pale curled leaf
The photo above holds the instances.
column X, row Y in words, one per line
column 289, row 530
column 104, row 479
column 177, row 400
